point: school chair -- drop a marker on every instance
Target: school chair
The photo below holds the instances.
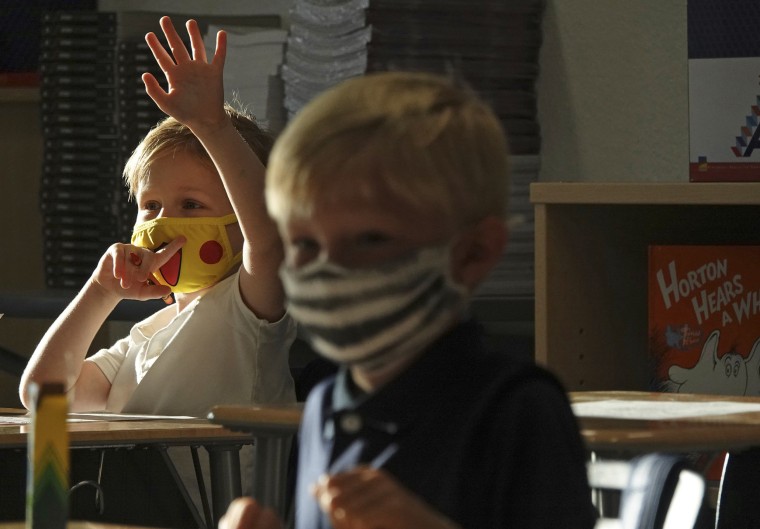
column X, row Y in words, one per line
column 652, row 491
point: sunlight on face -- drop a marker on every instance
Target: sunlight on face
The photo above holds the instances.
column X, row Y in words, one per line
column 181, row 185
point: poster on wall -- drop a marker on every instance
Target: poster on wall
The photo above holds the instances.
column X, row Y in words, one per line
column 724, row 90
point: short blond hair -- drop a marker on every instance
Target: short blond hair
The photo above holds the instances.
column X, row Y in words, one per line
column 429, row 141
column 169, row 135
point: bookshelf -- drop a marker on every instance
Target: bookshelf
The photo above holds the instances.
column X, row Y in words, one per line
column 591, row 244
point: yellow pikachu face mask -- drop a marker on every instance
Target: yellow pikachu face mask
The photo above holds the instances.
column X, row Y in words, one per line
column 205, row 258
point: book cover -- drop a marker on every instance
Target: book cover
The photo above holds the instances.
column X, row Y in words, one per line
column 704, row 318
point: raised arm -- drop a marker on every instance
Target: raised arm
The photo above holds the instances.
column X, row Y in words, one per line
column 195, row 97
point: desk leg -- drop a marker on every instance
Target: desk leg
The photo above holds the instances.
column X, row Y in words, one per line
column 225, row 478
column 270, row 471
column 182, row 489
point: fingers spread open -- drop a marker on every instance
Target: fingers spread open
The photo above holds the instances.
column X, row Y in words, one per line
column 196, row 41
column 175, row 42
column 162, row 57
column 221, row 49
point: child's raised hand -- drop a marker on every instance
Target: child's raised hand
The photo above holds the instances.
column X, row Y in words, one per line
column 195, row 93
column 370, row 498
column 126, row 270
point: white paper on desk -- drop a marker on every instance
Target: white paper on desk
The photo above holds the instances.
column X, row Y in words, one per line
column 98, row 416
column 7, row 420
column 659, row 410
column 95, row 417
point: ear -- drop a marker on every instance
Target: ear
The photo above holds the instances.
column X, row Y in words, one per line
column 478, row 251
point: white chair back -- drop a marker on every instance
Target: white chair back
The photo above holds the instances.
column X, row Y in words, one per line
column 652, row 491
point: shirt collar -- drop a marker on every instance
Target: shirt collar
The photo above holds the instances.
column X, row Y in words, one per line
column 417, row 388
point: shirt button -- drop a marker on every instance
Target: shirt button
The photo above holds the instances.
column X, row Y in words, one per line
column 351, row 423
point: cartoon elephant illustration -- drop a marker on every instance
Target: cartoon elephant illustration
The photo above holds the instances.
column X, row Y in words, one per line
column 712, row 375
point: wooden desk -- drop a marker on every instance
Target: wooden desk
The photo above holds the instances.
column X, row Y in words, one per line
column 696, row 423
column 707, row 424
column 223, row 446
column 275, row 420
column 711, row 429
column 710, row 424
column 74, row 525
column 272, row 429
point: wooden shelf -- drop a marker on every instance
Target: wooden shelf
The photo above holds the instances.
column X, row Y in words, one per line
column 591, row 250
column 646, row 193
column 20, row 95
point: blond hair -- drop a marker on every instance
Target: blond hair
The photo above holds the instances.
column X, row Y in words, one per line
column 421, row 137
column 169, row 135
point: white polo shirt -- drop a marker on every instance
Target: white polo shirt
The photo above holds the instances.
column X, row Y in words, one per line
column 215, row 351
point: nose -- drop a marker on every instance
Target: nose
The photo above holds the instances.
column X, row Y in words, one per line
column 166, row 212
column 337, row 255
column 332, row 255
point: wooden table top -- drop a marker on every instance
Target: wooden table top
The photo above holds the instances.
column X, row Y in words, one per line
column 635, row 421
column 280, row 419
column 170, row 431
column 12, row 411
column 649, row 421
column 73, row 525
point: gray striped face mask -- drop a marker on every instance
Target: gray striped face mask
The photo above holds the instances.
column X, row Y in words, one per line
column 375, row 317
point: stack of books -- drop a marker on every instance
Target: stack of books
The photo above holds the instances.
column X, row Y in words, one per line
column 493, row 47
column 515, row 273
column 252, row 70
column 80, row 174
column 137, row 114
column 326, row 45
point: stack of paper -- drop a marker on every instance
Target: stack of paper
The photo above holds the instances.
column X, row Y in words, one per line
column 252, row 70
column 80, row 182
column 327, row 44
column 492, row 46
column 514, row 275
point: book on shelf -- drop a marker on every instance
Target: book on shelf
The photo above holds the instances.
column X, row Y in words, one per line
column 19, row 79
column 704, row 318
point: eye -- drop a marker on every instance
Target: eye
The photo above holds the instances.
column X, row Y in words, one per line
column 151, row 205
column 728, row 369
column 190, row 204
column 303, row 250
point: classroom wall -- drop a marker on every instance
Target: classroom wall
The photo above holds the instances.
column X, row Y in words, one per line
column 613, row 92
column 612, row 107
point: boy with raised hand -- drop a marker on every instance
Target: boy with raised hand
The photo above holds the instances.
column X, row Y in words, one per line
column 202, row 234
column 390, row 195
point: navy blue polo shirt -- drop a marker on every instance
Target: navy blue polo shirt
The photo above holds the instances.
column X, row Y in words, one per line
column 487, row 439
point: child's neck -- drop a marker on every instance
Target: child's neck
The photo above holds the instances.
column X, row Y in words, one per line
column 370, row 381
column 182, row 300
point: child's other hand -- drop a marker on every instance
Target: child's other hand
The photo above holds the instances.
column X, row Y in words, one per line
column 126, row 270
column 245, row 513
column 195, row 95
column 370, row 498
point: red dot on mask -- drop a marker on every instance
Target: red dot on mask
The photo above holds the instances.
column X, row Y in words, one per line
column 211, row 252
